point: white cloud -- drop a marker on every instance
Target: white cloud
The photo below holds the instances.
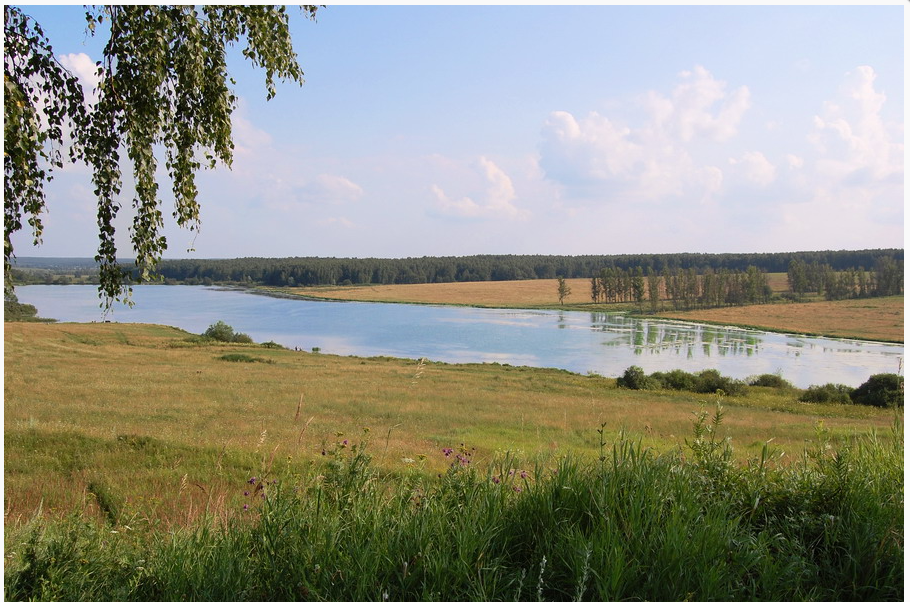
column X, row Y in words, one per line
column 851, row 137
column 691, row 111
column 328, row 188
column 795, row 162
column 496, row 200
column 756, row 168
column 86, row 71
column 336, row 221
column 597, row 158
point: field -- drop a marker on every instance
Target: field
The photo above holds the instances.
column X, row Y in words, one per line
column 144, row 463
column 878, row 319
column 144, row 409
column 513, row 293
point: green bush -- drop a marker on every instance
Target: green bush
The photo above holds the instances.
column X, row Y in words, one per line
column 634, row 378
column 770, row 380
column 678, row 380
column 711, row 381
column 828, row 393
column 881, row 390
column 219, row 331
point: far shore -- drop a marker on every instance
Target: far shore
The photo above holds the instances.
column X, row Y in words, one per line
column 872, row 319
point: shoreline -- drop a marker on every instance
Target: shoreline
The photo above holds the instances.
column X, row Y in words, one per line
column 581, row 308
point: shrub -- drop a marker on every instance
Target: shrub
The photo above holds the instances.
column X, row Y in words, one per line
column 770, row 380
column 678, row 380
column 634, row 378
column 828, row 393
column 711, row 381
column 881, row 390
column 220, row 331
column 242, row 357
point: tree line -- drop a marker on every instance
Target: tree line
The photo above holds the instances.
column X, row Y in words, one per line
column 312, row 271
column 885, row 278
column 683, row 288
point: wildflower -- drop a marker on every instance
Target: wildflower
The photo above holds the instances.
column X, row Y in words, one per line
column 344, row 443
column 516, row 489
column 523, row 475
column 511, row 472
column 408, row 460
column 252, row 481
column 323, row 452
column 447, row 451
column 246, row 494
column 246, row 506
column 496, row 480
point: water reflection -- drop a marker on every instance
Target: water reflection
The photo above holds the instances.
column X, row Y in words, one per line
column 659, row 336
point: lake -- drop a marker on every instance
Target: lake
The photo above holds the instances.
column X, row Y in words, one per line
column 583, row 342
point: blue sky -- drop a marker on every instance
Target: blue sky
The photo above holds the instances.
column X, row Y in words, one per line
column 537, row 129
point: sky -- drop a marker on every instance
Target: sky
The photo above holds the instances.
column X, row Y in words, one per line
column 462, row 130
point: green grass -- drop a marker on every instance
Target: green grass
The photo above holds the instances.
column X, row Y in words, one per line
column 79, row 399
column 129, row 451
column 628, row 524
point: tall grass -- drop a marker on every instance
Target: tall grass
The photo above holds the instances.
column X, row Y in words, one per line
column 631, row 524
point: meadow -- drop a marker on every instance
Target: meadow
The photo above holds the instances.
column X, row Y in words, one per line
column 145, row 446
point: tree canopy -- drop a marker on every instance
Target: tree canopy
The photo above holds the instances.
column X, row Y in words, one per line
column 163, row 89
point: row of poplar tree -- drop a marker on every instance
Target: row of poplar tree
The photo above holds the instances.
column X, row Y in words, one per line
column 682, row 288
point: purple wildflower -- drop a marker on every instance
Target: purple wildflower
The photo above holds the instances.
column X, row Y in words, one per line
column 518, row 489
column 523, row 475
column 496, row 480
column 246, row 506
column 246, row 493
column 252, row 481
column 447, row 451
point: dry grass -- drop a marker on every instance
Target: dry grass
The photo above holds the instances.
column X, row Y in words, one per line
column 173, row 431
column 511, row 293
column 879, row 319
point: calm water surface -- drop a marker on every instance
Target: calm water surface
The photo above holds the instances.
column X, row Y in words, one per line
column 578, row 341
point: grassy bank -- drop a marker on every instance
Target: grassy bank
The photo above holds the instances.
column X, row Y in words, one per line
column 138, row 410
column 630, row 524
column 144, row 463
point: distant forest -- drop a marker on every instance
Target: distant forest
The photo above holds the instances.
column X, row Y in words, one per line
column 312, row 271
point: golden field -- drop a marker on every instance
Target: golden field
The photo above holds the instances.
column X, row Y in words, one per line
column 877, row 319
column 165, row 424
